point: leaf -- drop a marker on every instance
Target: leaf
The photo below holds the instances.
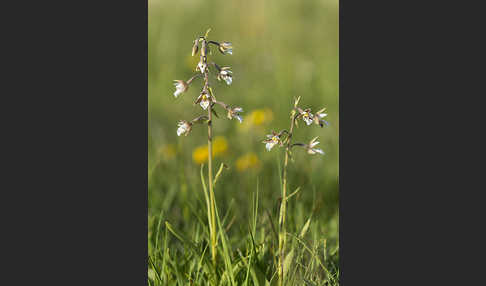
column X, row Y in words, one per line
column 305, row 228
column 153, row 273
column 206, row 196
column 212, row 93
column 226, row 248
column 287, row 262
column 214, row 112
column 178, row 236
column 223, row 165
column 292, row 194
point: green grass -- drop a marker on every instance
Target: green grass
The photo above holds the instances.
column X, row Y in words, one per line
column 282, row 49
column 247, row 251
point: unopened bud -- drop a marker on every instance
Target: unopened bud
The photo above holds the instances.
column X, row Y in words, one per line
column 195, row 48
column 203, row 48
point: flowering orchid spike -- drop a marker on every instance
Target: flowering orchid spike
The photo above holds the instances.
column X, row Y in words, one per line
column 310, row 148
column 184, row 128
column 181, row 87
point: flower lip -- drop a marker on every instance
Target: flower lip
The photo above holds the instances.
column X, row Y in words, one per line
column 204, row 103
column 234, row 113
column 204, row 99
column 201, row 66
column 226, row 75
column 181, row 87
column 184, row 128
column 273, row 139
column 306, row 115
column 228, row 80
column 269, row 146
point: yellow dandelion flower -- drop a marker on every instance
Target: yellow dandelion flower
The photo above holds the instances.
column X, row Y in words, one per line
column 220, row 145
column 249, row 160
column 200, row 154
column 257, row 117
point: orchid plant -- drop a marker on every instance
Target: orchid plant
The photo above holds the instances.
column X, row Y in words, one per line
column 207, row 101
column 284, row 139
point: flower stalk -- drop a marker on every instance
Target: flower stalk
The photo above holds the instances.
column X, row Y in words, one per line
column 282, row 236
column 212, row 223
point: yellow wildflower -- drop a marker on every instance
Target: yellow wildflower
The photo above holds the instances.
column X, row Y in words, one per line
column 249, row 160
column 220, row 145
column 258, row 117
column 200, row 154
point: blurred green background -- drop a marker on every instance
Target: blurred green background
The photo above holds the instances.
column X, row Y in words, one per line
column 281, row 49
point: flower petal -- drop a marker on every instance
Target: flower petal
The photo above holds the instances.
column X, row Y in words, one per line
column 228, row 80
column 204, row 104
column 269, row 146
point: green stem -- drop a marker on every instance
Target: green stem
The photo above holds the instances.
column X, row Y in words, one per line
column 283, row 208
column 211, row 192
column 212, row 219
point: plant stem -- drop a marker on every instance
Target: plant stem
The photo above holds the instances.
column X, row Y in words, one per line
column 212, row 219
column 282, row 234
column 210, row 178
